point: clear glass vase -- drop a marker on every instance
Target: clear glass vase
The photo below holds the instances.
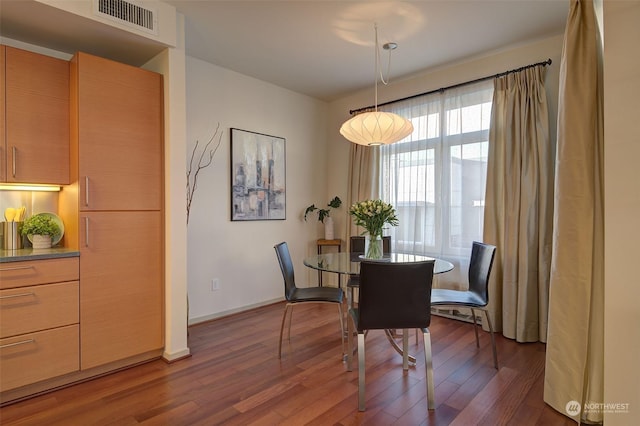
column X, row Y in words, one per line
column 373, row 247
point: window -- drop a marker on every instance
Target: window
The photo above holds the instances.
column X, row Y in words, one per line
column 436, row 177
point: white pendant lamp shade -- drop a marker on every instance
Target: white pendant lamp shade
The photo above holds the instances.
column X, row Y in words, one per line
column 376, row 128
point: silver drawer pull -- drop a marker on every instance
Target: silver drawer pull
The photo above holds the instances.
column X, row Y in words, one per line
column 16, row 268
column 11, row 296
column 22, row 342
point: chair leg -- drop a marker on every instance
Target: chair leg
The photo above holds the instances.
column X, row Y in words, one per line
column 405, row 349
column 361, row 388
column 289, row 327
column 284, row 317
column 349, row 342
column 493, row 340
column 428, row 365
column 475, row 327
column 341, row 327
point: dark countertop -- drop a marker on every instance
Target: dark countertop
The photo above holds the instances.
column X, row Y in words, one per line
column 31, row 254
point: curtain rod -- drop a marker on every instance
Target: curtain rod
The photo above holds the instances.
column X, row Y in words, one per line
column 442, row 89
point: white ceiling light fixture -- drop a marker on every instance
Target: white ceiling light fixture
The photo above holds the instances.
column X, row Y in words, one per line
column 377, row 127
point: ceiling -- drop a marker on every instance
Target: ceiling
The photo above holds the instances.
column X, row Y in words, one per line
column 321, row 48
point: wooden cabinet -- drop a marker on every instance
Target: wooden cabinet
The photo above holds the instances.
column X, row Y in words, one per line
column 121, row 296
column 3, row 145
column 39, row 314
column 120, row 135
column 117, row 201
column 35, row 148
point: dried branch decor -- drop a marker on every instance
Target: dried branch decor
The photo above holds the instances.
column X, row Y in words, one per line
column 204, row 160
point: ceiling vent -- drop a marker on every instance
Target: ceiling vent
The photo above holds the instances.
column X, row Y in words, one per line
column 132, row 14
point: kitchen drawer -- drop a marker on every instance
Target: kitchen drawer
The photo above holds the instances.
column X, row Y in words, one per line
column 29, row 309
column 30, row 358
column 33, row 272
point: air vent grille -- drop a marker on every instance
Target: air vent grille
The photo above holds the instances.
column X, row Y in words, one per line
column 129, row 13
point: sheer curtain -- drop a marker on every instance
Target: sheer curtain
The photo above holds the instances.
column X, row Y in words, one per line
column 574, row 368
column 435, row 178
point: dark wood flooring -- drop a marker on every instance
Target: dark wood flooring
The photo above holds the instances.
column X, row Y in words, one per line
column 235, row 378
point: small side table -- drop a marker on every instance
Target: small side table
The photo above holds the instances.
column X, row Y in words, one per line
column 327, row 243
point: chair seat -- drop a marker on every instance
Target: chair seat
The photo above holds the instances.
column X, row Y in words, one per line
column 317, row 294
column 443, row 296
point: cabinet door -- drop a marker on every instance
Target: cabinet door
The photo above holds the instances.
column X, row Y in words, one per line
column 121, row 294
column 120, row 135
column 37, row 118
column 3, row 146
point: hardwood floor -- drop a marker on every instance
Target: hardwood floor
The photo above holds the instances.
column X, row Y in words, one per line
column 235, row 378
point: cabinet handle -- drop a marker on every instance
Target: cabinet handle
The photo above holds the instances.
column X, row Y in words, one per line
column 86, row 231
column 14, row 152
column 22, row 342
column 11, row 296
column 86, row 191
column 16, row 268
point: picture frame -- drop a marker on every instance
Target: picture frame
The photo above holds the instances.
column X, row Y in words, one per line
column 258, row 176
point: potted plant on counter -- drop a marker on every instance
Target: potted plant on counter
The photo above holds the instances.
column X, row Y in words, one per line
column 324, row 216
column 40, row 229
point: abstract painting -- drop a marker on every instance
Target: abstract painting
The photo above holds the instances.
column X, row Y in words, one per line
column 258, row 184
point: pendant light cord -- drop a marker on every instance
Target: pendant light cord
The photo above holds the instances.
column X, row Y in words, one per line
column 378, row 70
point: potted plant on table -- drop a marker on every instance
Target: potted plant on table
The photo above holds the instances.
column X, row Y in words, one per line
column 324, row 216
column 372, row 215
column 42, row 229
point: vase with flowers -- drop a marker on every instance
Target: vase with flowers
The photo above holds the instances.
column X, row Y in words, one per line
column 373, row 215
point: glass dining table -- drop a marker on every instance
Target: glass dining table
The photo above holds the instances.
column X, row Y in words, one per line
column 345, row 263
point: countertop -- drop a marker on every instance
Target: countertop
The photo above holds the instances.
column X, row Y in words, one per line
column 31, row 254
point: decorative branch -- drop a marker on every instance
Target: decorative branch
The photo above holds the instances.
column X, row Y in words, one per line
column 204, row 161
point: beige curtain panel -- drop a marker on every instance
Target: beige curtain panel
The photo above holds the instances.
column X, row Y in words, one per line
column 519, row 205
column 364, row 173
column 574, row 371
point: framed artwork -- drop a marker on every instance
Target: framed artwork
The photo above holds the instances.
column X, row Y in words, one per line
column 258, row 184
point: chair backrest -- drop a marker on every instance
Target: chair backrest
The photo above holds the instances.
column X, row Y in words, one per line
column 286, row 266
column 480, row 269
column 395, row 295
column 356, row 244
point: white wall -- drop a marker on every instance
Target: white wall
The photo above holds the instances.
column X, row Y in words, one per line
column 241, row 254
column 622, row 207
column 171, row 63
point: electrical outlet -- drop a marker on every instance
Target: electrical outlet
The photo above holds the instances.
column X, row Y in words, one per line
column 215, row 284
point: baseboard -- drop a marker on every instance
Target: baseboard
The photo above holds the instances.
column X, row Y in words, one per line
column 205, row 318
column 176, row 356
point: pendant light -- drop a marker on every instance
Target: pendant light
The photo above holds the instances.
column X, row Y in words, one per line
column 377, row 127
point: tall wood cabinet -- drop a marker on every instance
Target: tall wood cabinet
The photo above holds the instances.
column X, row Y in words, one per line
column 116, row 203
column 35, row 118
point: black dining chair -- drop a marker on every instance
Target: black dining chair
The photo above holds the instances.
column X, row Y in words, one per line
column 392, row 296
column 477, row 296
column 356, row 244
column 296, row 295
